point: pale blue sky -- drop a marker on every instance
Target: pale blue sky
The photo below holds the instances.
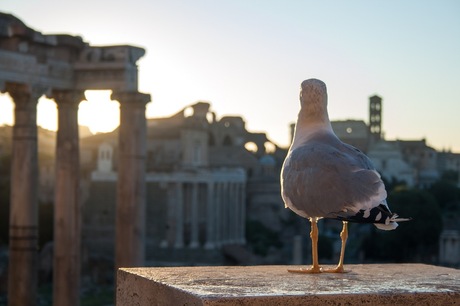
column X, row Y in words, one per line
column 248, row 57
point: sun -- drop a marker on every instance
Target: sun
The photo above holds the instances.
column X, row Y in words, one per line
column 98, row 112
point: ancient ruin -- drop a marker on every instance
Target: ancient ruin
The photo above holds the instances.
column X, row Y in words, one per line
column 62, row 67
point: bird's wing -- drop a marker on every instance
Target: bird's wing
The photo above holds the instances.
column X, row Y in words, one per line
column 325, row 178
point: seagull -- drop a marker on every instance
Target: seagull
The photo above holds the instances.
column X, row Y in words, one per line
column 322, row 177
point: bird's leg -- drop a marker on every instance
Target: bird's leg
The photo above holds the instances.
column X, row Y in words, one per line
column 343, row 237
column 315, row 268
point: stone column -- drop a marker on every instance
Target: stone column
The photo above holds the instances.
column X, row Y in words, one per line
column 194, row 217
column 225, row 213
column 218, row 214
column 238, row 209
column 170, row 222
column 235, row 201
column 130, row 210
column 23, row 225
column 67, row 206
column 210, row 217
column 243, row 213
column 179, row 228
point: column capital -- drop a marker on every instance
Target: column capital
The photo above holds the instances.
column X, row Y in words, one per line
column 67, row 97
column 128, row 98
column 25, row 94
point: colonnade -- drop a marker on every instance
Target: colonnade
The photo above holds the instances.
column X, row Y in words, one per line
column 205, row 214
column 23, row 226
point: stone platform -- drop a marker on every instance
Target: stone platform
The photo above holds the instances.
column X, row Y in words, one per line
column 377, row 284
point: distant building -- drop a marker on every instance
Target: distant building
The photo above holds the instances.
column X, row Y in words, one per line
column 449, row 161
column 375, row 117
column 198, row 172
column 207, row 177
column 389, row 161
column 412, row 161
column 353, row 132
column 422, row 158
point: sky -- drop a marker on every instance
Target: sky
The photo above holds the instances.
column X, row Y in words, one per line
column 248, row 58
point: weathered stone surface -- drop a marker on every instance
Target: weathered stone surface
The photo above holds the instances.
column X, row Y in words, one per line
column 379, row 284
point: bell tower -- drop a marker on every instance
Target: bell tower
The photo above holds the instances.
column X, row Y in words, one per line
column 375, row 117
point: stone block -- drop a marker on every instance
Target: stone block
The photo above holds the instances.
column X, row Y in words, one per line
column 376, row 284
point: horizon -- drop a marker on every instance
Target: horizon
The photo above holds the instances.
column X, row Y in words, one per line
column 249, row 58
column 104, row 131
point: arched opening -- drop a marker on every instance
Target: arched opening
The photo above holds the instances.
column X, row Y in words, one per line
column 251, row 147
column 269, row 147
column 188, row 111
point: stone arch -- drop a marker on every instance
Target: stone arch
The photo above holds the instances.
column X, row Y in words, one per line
column 251, row 147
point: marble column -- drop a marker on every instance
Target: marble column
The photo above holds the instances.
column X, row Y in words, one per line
column 179, row 228
column 67, row 206
column 23, row 225
column 194, row 243
column 210, row 217
column 130, row 210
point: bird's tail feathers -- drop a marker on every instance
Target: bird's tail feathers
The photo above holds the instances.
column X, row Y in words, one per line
column 386, row 227
column 396, row 218
column 393, row 224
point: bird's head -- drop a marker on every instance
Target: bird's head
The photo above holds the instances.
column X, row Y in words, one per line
column 313, row 100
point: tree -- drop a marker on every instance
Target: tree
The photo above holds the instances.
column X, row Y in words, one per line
column 447, row 194
column 415, row 240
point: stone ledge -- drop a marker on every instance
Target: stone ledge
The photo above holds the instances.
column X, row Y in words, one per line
column 377, row 284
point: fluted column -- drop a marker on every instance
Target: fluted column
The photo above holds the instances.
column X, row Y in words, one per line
column 130, row 210
column 23, row 227
column 67, row 207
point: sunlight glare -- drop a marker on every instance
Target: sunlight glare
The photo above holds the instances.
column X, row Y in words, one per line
column 99, row 113
column 7, row 110
column 47, row 114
